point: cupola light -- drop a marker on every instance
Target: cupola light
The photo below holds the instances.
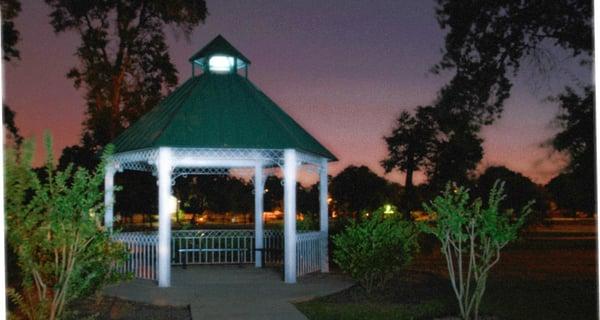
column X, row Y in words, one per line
column 219, row 56
column 220, row 64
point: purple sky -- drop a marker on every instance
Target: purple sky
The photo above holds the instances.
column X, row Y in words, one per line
column 342, row 69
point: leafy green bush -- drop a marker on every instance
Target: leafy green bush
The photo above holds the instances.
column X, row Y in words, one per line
column 53, row 224
column 376, row 249
column 471, row 238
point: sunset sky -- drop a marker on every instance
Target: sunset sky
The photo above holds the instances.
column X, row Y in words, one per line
column 342, row 69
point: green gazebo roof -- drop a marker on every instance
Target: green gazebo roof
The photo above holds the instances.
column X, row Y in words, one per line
column 218, row 111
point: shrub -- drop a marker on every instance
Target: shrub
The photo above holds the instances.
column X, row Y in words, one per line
column 53, row 225
column 471, row 238
column 376, row 249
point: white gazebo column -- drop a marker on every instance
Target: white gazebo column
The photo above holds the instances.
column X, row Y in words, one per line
column 259, row 187
column 289, row 214
column 324, row 215
column 109, row 196
column 164, row 168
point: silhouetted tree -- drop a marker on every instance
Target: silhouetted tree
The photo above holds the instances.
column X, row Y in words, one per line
column 357, row 189
column 8, row 117
column 519, row 191
column 9, row 10
column 485, row 44
column 273, row 196
column 409, row 146
column 454, row 157
column 575, row 187
column 307, row 199
column 565, row 190
column 487, row 40
column 124, row 63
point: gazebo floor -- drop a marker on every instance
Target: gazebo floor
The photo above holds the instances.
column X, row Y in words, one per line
column 232, row 292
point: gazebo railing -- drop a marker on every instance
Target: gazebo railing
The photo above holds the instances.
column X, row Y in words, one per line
column 197, row 247
column 141, row 261
column 222, row 246
column 308, row 252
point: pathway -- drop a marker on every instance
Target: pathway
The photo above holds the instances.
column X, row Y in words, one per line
column 232, row 292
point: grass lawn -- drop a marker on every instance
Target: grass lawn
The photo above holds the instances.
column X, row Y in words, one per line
column 112, row 308
column 556, row 280
column 505, row 300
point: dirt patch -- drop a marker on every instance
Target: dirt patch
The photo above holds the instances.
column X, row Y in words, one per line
column 105, row 308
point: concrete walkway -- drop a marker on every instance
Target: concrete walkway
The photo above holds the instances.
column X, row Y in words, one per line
column 232, row 292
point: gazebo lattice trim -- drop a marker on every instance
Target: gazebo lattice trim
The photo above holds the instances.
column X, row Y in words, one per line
column 241, row 161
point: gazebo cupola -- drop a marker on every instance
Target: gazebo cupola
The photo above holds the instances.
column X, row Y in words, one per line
column 217, row 121
column 219, row 56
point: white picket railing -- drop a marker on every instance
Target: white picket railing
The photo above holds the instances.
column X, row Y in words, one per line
column 222, row 246
column 308, row 252
column 197, row 247
column 142, row 254
column 216, row 247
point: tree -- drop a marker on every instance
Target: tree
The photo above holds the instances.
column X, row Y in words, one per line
column 520, row 190
column 124, row 64
column 471, row 236
column 273, row 196
column 454, row 158
column 8, row 116
column 54, row 226
column 409, row 147
column 487, row 40
column 576, row 119
column 9, row 10
column 485, row 44
column 358, row 189
column 574, row 188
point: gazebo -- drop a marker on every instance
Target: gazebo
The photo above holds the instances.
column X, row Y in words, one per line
column 216, row 121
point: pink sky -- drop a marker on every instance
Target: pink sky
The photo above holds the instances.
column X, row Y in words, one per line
column 343, row 70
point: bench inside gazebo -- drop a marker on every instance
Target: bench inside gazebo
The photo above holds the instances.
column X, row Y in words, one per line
column 218, row 121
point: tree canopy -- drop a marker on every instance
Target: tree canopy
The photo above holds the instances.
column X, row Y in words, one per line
column 124, row 64
column 487, row 40
column 519, row 190
column 410, row 145
column 485, row 45
column 357, row 189
column 9, row 10
column 574, row 188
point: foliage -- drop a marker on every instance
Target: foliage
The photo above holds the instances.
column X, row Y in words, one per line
column 576, row 119
column 124, row 64
column 409, row 147
column 8, row 116
column 9, row 10
column 468, row 231
column 487, row 40
column 376, row 249
column 485, row 44
column 574, row 188
column 455, row 156
column 520, row 190
column 54, row 226
column 357, row 189
column 310, row 222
